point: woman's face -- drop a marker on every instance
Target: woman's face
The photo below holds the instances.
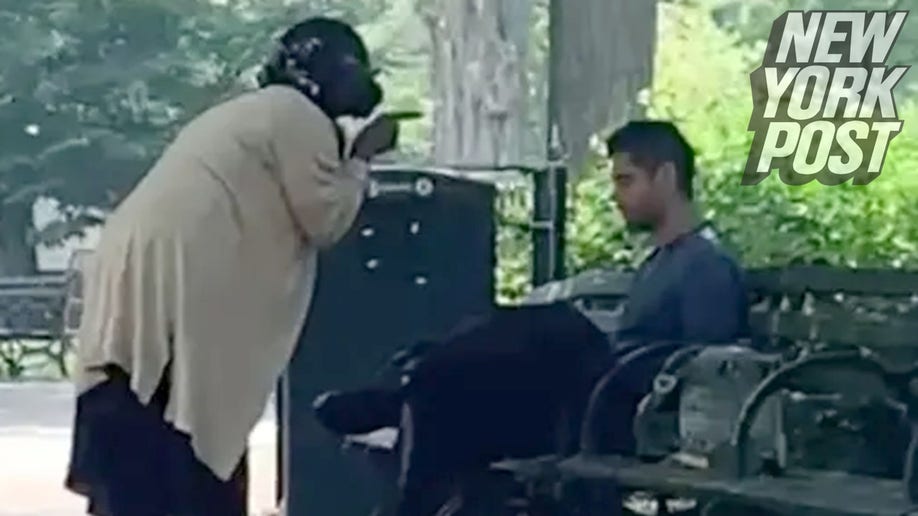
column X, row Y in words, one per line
column 348, row 87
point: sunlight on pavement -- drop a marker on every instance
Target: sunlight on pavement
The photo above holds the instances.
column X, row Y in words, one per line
column 35, row 423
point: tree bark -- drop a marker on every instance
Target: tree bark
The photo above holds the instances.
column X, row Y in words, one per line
column 17, row 254
column 478, row 78
column 603, row 57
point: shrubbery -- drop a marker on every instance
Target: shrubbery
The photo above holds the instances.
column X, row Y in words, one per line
column 702, row 83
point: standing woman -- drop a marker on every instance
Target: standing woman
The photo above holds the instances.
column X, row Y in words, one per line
column 203, row 276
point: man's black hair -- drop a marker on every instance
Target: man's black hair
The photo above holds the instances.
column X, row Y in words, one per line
column 652, row 143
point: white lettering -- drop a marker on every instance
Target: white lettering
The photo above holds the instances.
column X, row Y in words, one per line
column 826, row 132
column 776, row 88
column 771, row 149
column 851, row 149
column 884, row 135
column 829, row 35
column 851, row 93
column 801, row 38
column 879, row 91
column 876, row 34
column 820, row 77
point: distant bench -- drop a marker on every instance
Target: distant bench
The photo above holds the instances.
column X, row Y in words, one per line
column 39, row 316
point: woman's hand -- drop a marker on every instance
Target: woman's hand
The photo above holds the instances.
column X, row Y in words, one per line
column 378, row 137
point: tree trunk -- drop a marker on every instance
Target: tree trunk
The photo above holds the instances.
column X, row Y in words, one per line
column 478, row 77
column 17, row 254
column 602, row 52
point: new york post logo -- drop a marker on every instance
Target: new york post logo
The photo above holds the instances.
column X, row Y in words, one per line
column 824, row 106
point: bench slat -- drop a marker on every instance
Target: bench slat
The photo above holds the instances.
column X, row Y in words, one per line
column 825, row 279
column 790, row 281
column 595, row 283
column 828, row 493
column 795, row 326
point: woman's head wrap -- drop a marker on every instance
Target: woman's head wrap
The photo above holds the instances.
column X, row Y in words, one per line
column 327, row 61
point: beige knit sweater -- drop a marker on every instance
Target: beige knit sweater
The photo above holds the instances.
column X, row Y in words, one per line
column 210, row 263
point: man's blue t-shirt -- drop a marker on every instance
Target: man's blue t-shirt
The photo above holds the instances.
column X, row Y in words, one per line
column 687, row 290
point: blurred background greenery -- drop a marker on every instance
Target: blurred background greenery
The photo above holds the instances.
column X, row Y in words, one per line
column 91, row 90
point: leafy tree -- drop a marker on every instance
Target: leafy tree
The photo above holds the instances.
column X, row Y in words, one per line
column 702, row 83
column 93, row 89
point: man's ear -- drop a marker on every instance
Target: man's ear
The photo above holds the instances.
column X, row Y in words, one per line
column 666, row 175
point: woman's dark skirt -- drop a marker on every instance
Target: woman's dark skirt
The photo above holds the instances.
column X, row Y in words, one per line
column 128, row 461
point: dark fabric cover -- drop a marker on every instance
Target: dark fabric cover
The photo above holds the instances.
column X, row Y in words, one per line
column 512, row 384
column 129, row 462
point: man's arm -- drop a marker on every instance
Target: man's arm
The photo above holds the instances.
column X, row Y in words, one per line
column 713, row 302
column 323, row 192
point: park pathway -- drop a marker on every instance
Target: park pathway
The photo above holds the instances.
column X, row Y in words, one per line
column 35, row 421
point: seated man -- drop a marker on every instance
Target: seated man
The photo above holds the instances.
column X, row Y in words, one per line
column 688, row 289
column 499, row 387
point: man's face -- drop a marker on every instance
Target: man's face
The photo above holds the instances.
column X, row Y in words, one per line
column 635, row 192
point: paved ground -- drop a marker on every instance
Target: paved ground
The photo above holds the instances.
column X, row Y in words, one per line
column 35, row 421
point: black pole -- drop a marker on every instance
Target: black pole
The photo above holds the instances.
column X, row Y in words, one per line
column 549, row 220
column 550, row 186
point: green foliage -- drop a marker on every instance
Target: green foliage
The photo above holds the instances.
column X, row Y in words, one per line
column 747, row 19
column 91, row 90
column 706, row 51
column 399, row 45
column 514, row 242
column 702, row 83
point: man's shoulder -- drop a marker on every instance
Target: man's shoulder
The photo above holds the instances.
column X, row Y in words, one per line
column 704, row 250
column 707, row 246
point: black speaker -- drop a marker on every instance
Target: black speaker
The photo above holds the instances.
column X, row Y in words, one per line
column 418, row 260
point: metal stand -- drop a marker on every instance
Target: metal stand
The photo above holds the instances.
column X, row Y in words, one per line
column 549, row 218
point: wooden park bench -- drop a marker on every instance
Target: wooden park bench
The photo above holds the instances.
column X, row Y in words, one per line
column 31, row 321
column 839, row 334
column 38, row 317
